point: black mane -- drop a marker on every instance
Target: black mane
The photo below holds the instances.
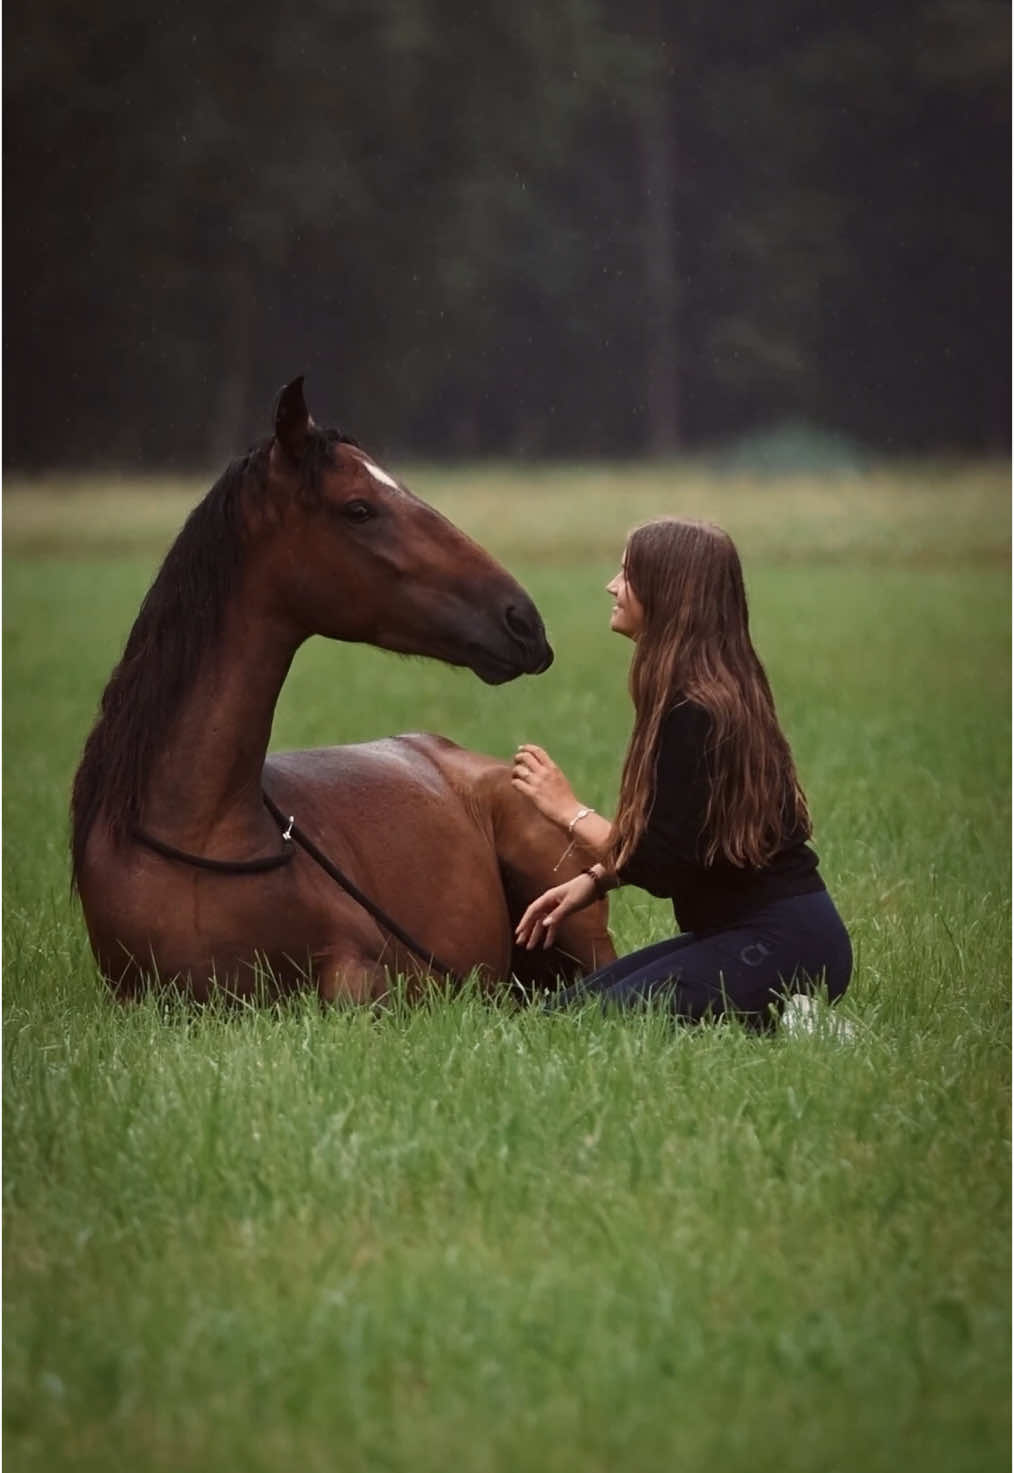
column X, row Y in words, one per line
column 179, row 621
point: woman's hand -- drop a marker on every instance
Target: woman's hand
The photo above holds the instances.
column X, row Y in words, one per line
column 537, row 776
column 540, row 920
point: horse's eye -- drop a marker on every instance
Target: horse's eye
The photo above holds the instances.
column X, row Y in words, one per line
column 357, row 511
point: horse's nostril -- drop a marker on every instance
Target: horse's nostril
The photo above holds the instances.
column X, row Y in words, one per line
column 519, row 623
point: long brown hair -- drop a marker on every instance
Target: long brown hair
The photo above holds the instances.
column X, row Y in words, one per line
column 695, row 645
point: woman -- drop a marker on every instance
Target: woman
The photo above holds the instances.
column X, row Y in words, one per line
column 710, row 814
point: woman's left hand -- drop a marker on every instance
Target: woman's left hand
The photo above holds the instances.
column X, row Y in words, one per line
column 538, row 924
column 537, row 776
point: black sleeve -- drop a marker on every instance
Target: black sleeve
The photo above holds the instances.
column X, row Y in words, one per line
column 681, row 799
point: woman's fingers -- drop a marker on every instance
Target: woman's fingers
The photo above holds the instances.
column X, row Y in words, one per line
column 541, row 931
column 535, row 935
column 531, row 759
column 524, row 767
column 529, row 749
column 537, row 906
column 536, row 775
column 531, row 938
column 539, row 920
column 535, row 912
column 538, row 925
column 551, row 921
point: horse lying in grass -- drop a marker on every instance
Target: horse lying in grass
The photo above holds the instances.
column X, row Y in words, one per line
column 200, row 859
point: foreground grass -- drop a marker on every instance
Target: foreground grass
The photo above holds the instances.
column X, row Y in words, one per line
column 462, row 1235
column 455, row 1236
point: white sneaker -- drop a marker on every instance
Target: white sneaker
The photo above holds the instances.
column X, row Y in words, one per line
column 805, row 1014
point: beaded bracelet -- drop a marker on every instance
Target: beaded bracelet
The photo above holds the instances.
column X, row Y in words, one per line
column 601, row 888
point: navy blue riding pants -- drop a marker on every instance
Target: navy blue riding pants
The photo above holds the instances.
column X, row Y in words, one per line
column 795, row 945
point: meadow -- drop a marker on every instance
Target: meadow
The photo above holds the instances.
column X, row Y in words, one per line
column 464, row 1235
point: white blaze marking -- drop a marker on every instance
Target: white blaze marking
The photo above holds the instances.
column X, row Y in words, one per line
column 381, row 476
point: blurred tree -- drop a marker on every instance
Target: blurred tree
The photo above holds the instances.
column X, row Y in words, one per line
column 544, row 230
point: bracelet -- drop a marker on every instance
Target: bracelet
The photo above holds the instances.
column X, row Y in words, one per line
column 581, row 813
column 599, row 881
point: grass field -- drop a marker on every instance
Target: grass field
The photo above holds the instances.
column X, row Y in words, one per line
column 466, row 1237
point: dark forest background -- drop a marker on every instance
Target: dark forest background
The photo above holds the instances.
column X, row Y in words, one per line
column 564, row 229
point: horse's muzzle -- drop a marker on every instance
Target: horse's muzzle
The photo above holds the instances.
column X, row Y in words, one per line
column 527, row 632
column 495, row 669
column 507, row 642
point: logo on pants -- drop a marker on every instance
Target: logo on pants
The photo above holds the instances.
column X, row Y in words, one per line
column 754, row 954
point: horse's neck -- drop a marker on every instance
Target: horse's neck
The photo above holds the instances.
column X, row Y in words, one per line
column 206, row 784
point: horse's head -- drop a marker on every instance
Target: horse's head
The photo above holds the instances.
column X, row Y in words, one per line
column 349, row 553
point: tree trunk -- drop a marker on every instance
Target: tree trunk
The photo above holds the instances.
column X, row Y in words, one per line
column 657, row 146
column 228, row 435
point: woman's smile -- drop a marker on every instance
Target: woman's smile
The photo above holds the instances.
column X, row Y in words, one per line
column 627, row 614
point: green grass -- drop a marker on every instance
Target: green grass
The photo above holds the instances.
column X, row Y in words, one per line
column 459, row 1236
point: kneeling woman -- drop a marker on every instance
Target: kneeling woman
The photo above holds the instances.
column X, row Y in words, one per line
column 710, row 814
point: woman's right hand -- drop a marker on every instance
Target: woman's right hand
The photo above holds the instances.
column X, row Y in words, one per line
column 537, row 776
column 539, row 922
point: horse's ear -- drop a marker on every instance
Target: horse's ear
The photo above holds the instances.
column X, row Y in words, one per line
column 292, row 419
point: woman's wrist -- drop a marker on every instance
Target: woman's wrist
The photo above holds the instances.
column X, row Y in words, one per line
column 604, row 880
column 576, row 816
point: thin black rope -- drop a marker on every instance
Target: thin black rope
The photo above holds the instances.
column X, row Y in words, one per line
column 293, row 834
column 340, row 878
column 220, row 866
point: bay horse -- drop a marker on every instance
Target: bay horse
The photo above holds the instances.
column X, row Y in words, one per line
column 182, row 827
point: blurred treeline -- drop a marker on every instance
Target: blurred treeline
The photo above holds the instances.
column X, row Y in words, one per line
column 568, row 228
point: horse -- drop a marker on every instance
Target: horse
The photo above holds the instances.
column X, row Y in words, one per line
column 204, row 863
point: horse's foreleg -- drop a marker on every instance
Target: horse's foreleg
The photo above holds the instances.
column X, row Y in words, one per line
column 349, row 977
column 533, row 856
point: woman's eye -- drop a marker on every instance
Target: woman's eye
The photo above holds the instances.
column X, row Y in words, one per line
column 357, row 511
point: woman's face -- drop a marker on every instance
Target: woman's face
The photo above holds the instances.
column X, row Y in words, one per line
column 627, row 616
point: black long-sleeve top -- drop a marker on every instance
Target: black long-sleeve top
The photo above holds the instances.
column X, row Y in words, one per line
column 668, row 859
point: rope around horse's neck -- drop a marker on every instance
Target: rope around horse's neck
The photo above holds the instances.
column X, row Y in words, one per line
column 292, row 833
column 219, row 866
